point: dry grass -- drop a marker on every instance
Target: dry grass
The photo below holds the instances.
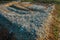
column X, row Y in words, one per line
column 56, row 23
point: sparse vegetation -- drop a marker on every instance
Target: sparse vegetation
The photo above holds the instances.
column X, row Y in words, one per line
column 56, row 27
column 43, row 1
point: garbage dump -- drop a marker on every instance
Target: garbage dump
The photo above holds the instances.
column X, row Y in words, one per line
column 26, row 24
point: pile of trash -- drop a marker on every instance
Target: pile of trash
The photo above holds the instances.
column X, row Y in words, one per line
column 27, row 24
